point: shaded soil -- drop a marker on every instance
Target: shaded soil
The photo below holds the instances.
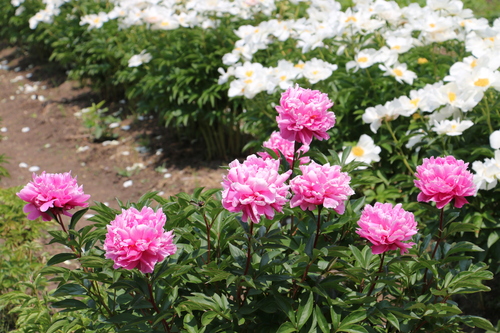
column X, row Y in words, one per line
column 44, row 132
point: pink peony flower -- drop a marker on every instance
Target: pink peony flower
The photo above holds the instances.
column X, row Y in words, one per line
column 387, row 227
column 321, row 185
column 303, row 115
column 54, row 192
column 136, row 239
column 443, row 179
column 286, row 147
column 255, row 188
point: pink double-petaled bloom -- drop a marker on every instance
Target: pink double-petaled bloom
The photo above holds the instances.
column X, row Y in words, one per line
column 387, row 227
column 303, row 114
column 52, row 192
column 444, row 179
column 321, row 185
column 137, row 239
column 255, row 188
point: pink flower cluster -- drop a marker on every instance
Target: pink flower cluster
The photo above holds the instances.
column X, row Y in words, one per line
column 321, row 185
column 286, row 147
column 54, row 192
column 443, row 179
column 302, row 115
column 387, row 227
column 255, row 188
column 136, row 239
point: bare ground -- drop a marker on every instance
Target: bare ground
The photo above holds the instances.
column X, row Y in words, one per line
column 44, row 132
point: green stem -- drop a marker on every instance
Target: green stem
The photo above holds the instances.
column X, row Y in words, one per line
column 318, row 226
column 440, row 234
column 396, row 141
column 153, row 303
column 378, row 274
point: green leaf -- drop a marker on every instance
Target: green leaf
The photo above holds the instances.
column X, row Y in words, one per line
column 61, row 257
column 461, row 227
column 70, row 304
column 393, row 320
column 353, row 328
column 493, row 238
column 479, row 322
column 57, row 325
column 323, row 324
column 208, row 317
column 238, row 255
column 286, row 328
column 76, row 217
column 463, row 247
column 304, row 312
column 70, row 289
column 354, row 317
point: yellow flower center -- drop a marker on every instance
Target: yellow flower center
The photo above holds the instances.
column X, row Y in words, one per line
column 432, row 25
column 362, row 59
column 249, row 73
column 396, row 47
column 415, row 101
column 452, row 97
column 473, row 63
column 398, row 72
column 315, row 72
column 422, row 61
column 248, row 81
column 351, row 18
column 454, row 127
column 97, row 20
column 283, row 77
column 358, row 151
column 301, row 66
column 482, row 82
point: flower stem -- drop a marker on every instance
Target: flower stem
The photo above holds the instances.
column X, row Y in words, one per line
column 249, row 254
column 440, row 233
column 378, row 274
column 318, row 226
column 208, row 237
column 153, row 303
column 247, row 265
column 396, row 141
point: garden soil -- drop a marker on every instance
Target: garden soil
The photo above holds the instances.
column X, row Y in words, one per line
column 40, row 131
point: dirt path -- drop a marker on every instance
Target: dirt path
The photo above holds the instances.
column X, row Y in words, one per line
column 40, row 131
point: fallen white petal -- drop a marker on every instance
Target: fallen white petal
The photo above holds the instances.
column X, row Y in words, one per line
column 114, row 125
column 34, row 168
column 25, row 129
column 41, row 98
column 82, row 149
column 3, row 129
column 126, row 127
column 167, row 175
column 125, row 153
column 23, row 165
column 128, row 183
column 17, row 78
column 111, row 143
